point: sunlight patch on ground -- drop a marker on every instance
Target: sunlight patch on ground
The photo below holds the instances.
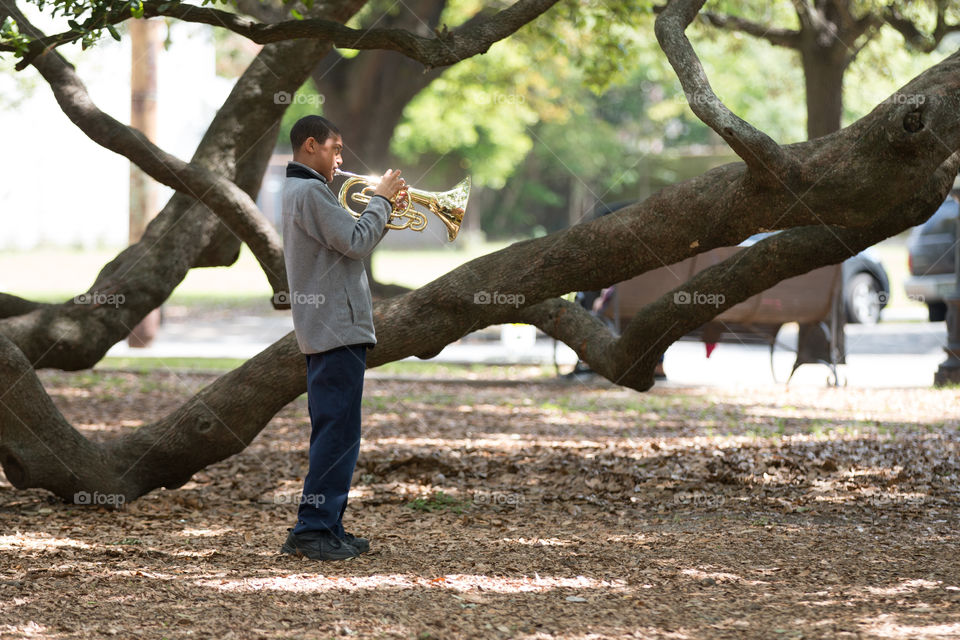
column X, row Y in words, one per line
column 907, row 586
column 478, row 584
column 503, row 442
column 38, row 542
column 886, row 626
column 540, row 542
column 205, row 533
column 28, row 630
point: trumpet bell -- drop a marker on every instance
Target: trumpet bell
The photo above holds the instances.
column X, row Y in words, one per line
column 450, row 206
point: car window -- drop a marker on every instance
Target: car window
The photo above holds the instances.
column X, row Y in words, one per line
column 944, row 219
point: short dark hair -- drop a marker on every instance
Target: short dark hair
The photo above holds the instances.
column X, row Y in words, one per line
column 316, row 127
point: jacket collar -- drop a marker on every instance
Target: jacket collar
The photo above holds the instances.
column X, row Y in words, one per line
column 300, row 170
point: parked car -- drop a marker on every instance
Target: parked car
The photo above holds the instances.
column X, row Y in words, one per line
column 866, row 286
column 932, row 259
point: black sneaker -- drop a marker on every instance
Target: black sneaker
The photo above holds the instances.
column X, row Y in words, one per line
column 360, row 544
column 318, row 545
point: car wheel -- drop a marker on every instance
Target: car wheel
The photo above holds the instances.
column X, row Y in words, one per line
column 937, row 311
column 863, row 299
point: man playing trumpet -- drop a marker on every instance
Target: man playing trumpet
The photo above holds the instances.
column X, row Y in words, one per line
column 324, row 247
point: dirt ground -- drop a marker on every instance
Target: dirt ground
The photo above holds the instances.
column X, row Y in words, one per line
column 530, row 509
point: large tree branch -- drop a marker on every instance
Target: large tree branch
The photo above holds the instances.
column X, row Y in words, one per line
column 39, row 448
column 11, row 305
column 224, row 198
column 447, row 47
column 761, row 153
column 850, row 179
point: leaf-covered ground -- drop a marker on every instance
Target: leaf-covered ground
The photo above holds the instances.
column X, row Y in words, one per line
column 530, row 509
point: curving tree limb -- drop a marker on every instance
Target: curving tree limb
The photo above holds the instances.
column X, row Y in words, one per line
column 445, row 48
column 915, row 36
column 774, row 35
column 185, row 234
column 239, row 142
column 222, row 196
column 761, row 153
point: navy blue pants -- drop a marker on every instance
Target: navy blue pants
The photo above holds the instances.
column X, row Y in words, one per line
column 334, row 391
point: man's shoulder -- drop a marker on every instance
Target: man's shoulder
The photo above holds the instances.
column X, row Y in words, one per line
column 307, row 187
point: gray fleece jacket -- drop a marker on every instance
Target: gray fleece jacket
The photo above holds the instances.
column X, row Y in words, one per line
column 324, row 247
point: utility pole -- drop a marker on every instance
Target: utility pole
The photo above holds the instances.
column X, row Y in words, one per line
column 145, row 41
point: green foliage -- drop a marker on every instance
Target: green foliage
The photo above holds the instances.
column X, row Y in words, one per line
column 88, row 19
column 476, row 113
column 10, row 35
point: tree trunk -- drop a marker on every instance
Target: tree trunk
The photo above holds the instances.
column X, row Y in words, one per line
column 823, row 69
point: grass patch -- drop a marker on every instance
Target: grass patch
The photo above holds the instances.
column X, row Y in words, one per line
column 439, row 501
column 452, row 371
column 145, row 365
column 581, row 402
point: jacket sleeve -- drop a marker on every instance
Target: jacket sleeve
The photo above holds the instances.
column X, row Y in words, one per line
column 336, row 228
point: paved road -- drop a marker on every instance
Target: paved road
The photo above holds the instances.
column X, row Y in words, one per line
column 900, row 351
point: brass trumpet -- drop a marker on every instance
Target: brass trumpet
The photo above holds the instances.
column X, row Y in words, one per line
column 449, row 206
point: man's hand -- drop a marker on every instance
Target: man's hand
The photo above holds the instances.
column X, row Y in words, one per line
column 390, row 184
